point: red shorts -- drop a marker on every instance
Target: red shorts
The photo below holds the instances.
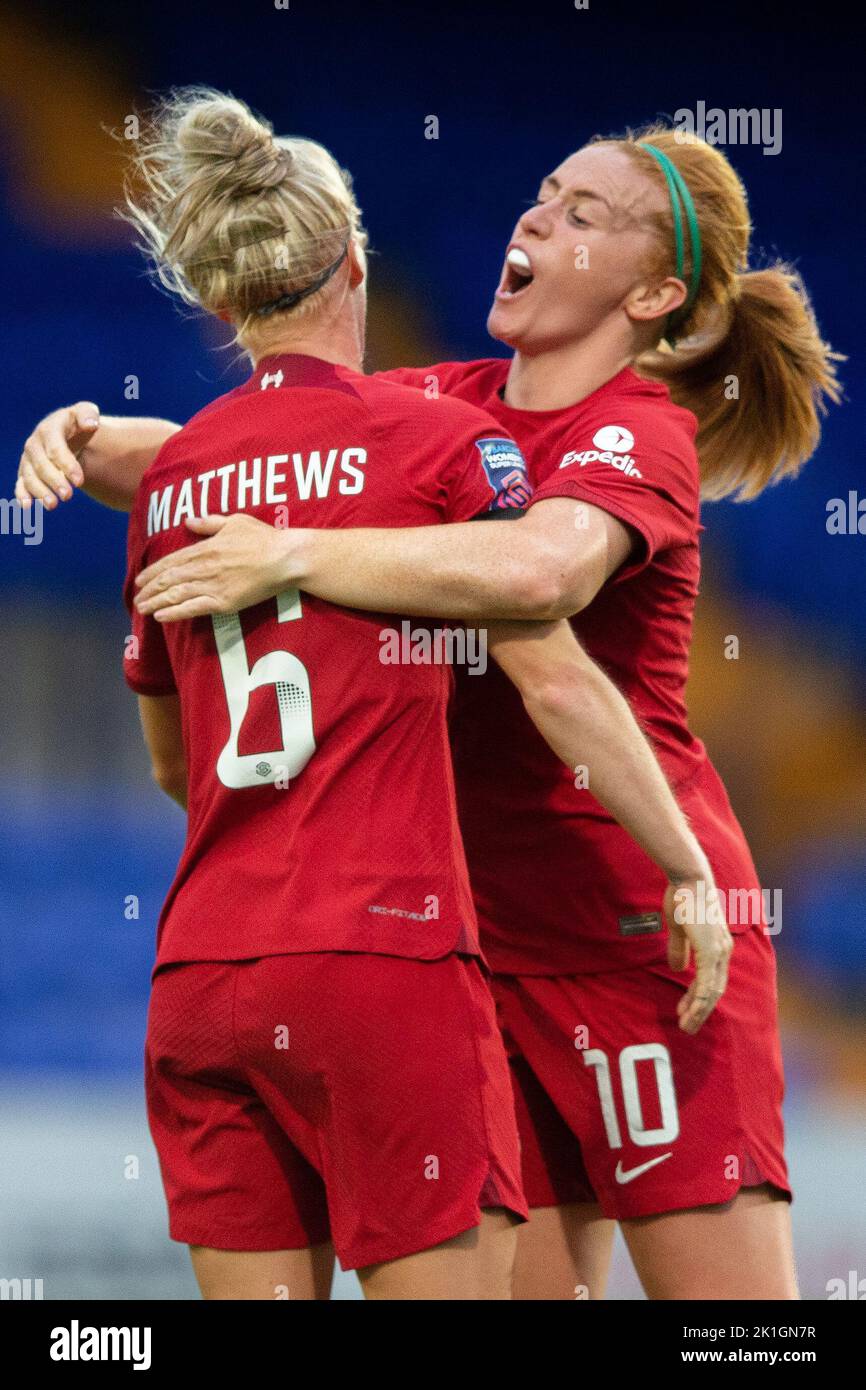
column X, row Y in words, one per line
column 616, row 1105
column 357, row 1098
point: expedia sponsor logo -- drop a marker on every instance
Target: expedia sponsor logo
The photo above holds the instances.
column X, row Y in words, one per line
column 614, row 437
column 623, row 462
column 612, row 443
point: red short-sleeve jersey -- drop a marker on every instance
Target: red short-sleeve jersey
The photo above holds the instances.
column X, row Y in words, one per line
column 321, row 798
column 595, row 904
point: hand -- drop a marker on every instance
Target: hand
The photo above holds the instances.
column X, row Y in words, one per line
column 50, row 465
column 243, row 562
column 696, row 924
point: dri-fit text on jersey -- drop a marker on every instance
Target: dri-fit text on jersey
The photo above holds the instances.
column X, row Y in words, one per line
column 252, row 482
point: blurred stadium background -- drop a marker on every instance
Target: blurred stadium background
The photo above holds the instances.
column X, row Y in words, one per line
column 514, row 88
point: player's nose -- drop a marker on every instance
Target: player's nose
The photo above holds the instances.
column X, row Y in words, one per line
column 536, row 220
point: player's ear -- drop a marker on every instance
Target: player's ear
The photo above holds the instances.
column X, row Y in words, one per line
column 357, row 264
column 655, row 301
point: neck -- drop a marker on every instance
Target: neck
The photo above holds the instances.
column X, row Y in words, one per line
column 564, row 375
column 340, row 342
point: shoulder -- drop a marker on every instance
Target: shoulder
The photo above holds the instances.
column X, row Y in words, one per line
column 178, row 444
column 471, row 380
column 437, row 417
column 207, row 416
column 648, row 406
column 635, row 427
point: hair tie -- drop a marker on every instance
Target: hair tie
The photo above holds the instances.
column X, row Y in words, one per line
column 288, row 301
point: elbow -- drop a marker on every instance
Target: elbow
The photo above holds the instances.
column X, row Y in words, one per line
column 547, row 587
column 567, row 598
column 569, row 690
column 553, row 697
column 171, row 779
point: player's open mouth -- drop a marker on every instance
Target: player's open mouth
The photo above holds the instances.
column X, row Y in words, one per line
column 517, row 274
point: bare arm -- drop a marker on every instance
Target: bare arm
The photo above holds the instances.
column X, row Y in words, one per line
column 75, row 447
column 543, row 565
column 118, row 455
column 583, row 717
column 548, row 564
column 161, row 725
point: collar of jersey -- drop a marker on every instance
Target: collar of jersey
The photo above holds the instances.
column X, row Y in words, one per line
column 624, row 378
column 298, row 369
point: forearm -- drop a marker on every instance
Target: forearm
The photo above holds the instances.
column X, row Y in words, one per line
column 115, row 459
column 588, row 724
column 161, row 725
column 472, row 570
column 538, row 567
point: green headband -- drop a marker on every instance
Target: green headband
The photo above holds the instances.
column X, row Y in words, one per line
column 680, row 198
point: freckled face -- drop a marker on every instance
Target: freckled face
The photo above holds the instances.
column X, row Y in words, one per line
column 577, row 252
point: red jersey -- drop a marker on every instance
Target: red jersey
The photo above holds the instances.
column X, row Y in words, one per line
column 559, row 886
column 322, row 809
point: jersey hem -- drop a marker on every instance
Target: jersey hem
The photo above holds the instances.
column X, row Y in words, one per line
column 143, row 687
column 458, row 948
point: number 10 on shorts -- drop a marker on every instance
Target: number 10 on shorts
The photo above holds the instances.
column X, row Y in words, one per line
column 658, row 1055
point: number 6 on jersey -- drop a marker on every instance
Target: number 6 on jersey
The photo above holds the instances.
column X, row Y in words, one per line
column 292, row 681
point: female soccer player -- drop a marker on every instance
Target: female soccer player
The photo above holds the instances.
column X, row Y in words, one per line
column 631, row 242
column 323, row 1061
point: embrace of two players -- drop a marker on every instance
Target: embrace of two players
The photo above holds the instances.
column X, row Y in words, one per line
column 425, row 999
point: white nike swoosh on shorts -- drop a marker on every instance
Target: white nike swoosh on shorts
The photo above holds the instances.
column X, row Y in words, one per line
column 633, row 1173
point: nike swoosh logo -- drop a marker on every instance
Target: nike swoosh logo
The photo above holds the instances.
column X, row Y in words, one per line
column 622, row 1176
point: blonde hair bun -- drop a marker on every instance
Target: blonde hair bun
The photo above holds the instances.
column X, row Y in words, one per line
column 233, row 218
column 219, row 135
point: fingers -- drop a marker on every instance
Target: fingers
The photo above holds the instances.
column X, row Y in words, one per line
column 678, row 942
column 167, row 599
column 697, row 927
column 723, row 964
column 201, row 565
column 710, row 982
column 43, row 480
column 207, row 525
column 194, row 564
column 177, row 607
column 49, row 468
column 696, row 1006
column 22, row 492
column 222, row 571
column 679, row 951
column 86, row 416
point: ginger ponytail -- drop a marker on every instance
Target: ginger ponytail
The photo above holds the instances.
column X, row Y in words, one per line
column 749, row 361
